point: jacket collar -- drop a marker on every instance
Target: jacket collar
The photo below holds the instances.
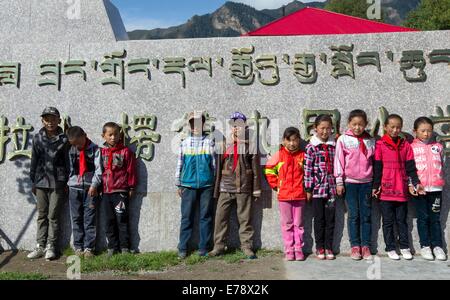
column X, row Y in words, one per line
column 365, row 134
column 315, row 141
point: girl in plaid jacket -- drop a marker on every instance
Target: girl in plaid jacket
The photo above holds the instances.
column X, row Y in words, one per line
column 320, row 184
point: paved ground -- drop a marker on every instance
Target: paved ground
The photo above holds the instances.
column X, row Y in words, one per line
column 383, row 268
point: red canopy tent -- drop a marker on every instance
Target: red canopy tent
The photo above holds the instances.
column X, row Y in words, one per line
column 314, row 21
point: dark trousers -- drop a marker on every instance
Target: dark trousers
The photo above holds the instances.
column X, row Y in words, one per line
column 189, row 200
column 392, row 213
column 429, row 220
column 359, row 202
column 116, row 216
column 324, row 221
column 83, row 213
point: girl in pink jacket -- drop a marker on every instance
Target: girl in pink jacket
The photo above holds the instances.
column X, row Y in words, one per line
column 394, row 164
column 429, row 158
column 353, row 169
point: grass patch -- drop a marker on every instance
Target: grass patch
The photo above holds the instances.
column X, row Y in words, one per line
column 130, row 262
column 157, row 261
column 22, row 276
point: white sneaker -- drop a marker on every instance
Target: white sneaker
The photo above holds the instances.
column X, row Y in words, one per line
column 50, row 252
column 440, row 254
column 406, row 253
column 38, row 252
column 426, row 253
column 393, row 255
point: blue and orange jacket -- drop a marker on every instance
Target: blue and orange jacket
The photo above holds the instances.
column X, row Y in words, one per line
column 196, row 163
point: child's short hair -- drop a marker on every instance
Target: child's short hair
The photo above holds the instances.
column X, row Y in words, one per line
column 393, row 117
column 291, row 131
column 323, row 118
column 112, row 125
column 358, row 113
column 75, row 132
column 423, row 120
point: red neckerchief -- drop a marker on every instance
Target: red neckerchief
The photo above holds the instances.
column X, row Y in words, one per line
column 387, row 139
column 235, row 154
column 111, row 151
column 325, row 148
column 82, row 161
column 362, row 145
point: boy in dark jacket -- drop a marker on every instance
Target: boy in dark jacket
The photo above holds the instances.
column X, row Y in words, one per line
column 119, row 183
column 48, row 174
column 85, row 179
column 238, row 180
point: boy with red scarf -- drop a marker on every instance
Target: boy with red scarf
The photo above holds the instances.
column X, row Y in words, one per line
column 85, row 177
column 119, row 183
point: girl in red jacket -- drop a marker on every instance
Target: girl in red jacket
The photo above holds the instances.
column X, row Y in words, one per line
column 394, row 163
column 284, row 173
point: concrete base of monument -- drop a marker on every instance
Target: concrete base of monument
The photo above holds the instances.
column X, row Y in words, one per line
column 158, row 228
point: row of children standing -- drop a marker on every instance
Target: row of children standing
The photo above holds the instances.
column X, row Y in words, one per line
column 361, row 170
column 72, row 165
column 355, row 167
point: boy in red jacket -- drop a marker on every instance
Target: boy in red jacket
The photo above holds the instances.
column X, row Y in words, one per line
column 119, row 182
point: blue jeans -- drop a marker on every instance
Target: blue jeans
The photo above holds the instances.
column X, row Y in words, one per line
column 429, row 221
column 359, row 201
column 83, row 211
column 189, row 200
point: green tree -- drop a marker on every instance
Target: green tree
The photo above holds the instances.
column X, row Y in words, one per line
column 430, row 15
column 356, row 8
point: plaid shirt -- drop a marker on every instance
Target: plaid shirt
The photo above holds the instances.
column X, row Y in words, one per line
column 319, row 175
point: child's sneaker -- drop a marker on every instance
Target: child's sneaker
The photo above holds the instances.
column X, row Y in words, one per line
column 79, row 252
column 249, row 253
column 125, row 251
column 289, row 256
column 88, row 253
column 38, row 252
column 110, row 253
column 215, row 252
column 366, row 254
column 393, row 255
column 320, row 254
column 406, row 253
column 203, row 253
column 426, row 253
column 299, row 256
column 50, row 252
column 182, row 254
column 440, row 254
column 356, row 253
column 329, row 255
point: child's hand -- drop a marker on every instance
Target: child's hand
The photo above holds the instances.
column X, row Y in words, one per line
column 131, row 193
column 340, row 189
column 180, row 192
column 376, row 193
column 413, row 191
column 309, row 197
column 421, row 190
column 92, row 192
column 418, row 190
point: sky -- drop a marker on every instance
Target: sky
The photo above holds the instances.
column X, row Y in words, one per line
column 149, row 14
